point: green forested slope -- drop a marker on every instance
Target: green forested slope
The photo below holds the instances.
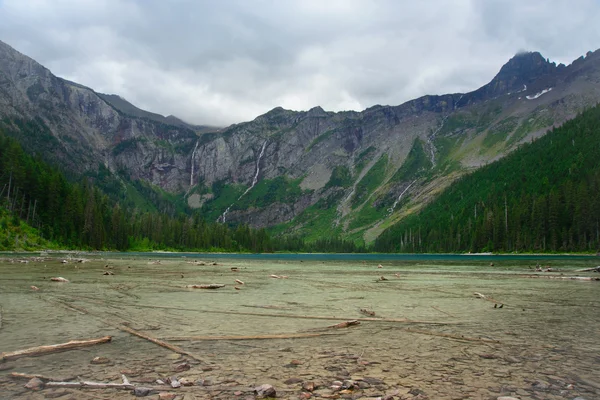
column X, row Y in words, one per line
column 36, row 201
column 544, row 197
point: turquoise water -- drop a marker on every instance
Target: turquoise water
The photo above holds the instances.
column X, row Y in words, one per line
column 453, row 258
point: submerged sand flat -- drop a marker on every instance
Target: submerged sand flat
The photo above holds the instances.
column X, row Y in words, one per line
column 542, row 344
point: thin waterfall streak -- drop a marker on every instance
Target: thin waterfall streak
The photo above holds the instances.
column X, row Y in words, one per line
column 431, row 138
column 223, row 216
column 255, row 179
column 391, row 209
column 192, row 169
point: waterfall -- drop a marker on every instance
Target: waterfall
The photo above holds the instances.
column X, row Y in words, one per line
column 192, row 173
column 223, row 216
column 432, row 137
column 255, row 180
column 391, row 209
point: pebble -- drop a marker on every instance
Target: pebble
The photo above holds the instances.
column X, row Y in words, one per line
column 166, row 396
column 186, row 382
column 54, row 394
column 35, row 384
column 100, row 360
column 182, row 367
column 264, row 391
column 141, row 391
column 507, row 398
column 175, row 383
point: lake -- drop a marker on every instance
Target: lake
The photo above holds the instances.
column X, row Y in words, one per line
column 534, row 336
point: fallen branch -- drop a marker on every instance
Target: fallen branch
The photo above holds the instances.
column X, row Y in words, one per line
column 281, row 315
column 488, row 298
column 594, row 269
column 20, row 375
column 442, row 311
column 450, row 336
column 248, row 337
column 132, row 331
column 367, row 312
column 572, row 278
column 209, row 286
column 36, row 351
column 345, row 324
column 90, row 385
column 159, row 342
column 126, row 385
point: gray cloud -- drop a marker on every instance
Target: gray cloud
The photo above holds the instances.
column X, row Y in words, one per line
column 222, row 62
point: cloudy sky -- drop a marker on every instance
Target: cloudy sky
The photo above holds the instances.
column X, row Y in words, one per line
column 219, row 62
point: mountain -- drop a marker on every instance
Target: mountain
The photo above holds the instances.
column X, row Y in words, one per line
column 72, row 125
column 545, row 196
column 312, row 173
column 127, row 108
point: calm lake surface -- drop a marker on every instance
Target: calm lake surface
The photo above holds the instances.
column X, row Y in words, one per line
column 430, row 338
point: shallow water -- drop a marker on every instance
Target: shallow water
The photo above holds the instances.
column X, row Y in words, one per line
column 542, row 344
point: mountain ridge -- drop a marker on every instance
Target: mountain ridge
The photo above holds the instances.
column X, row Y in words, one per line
column 291, row 158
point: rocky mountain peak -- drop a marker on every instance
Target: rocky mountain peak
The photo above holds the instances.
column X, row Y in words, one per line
column 522, row 69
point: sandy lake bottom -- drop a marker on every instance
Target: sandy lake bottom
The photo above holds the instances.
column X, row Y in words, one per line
column 430, row 338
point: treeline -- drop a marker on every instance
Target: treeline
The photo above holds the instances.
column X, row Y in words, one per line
column 79, row 215
column 544, row 197
column 297, row 244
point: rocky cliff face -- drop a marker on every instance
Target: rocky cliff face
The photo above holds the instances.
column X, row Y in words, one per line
column 311, row 172
column 86, row 129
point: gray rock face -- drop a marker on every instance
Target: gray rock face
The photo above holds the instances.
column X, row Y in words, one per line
column 457, row 132
column 88, row 130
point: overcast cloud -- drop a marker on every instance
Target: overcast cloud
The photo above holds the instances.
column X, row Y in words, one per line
column 219, row 62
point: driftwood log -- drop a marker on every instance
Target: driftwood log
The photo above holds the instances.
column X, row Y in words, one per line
column 572, row 278
column 367, row 312
column 36, row 351
column 132, row 331
column 208, row 286
column 594, row 269
column 345, row 324
column 249, row 337
column 488, row 298
column 450, row 336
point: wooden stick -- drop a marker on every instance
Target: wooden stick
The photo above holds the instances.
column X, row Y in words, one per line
column 442, row 311
column 158, row 342
column 36, row 351
column 249, row 337
column 136, row 333
column 281, row 315
column 573, row 278
column 91, row 385
column 345, row 324
column 367, row 312
column 450, row 336
column 209, row 286
column 488, row 298
column 594, row 269
column 20, row 375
